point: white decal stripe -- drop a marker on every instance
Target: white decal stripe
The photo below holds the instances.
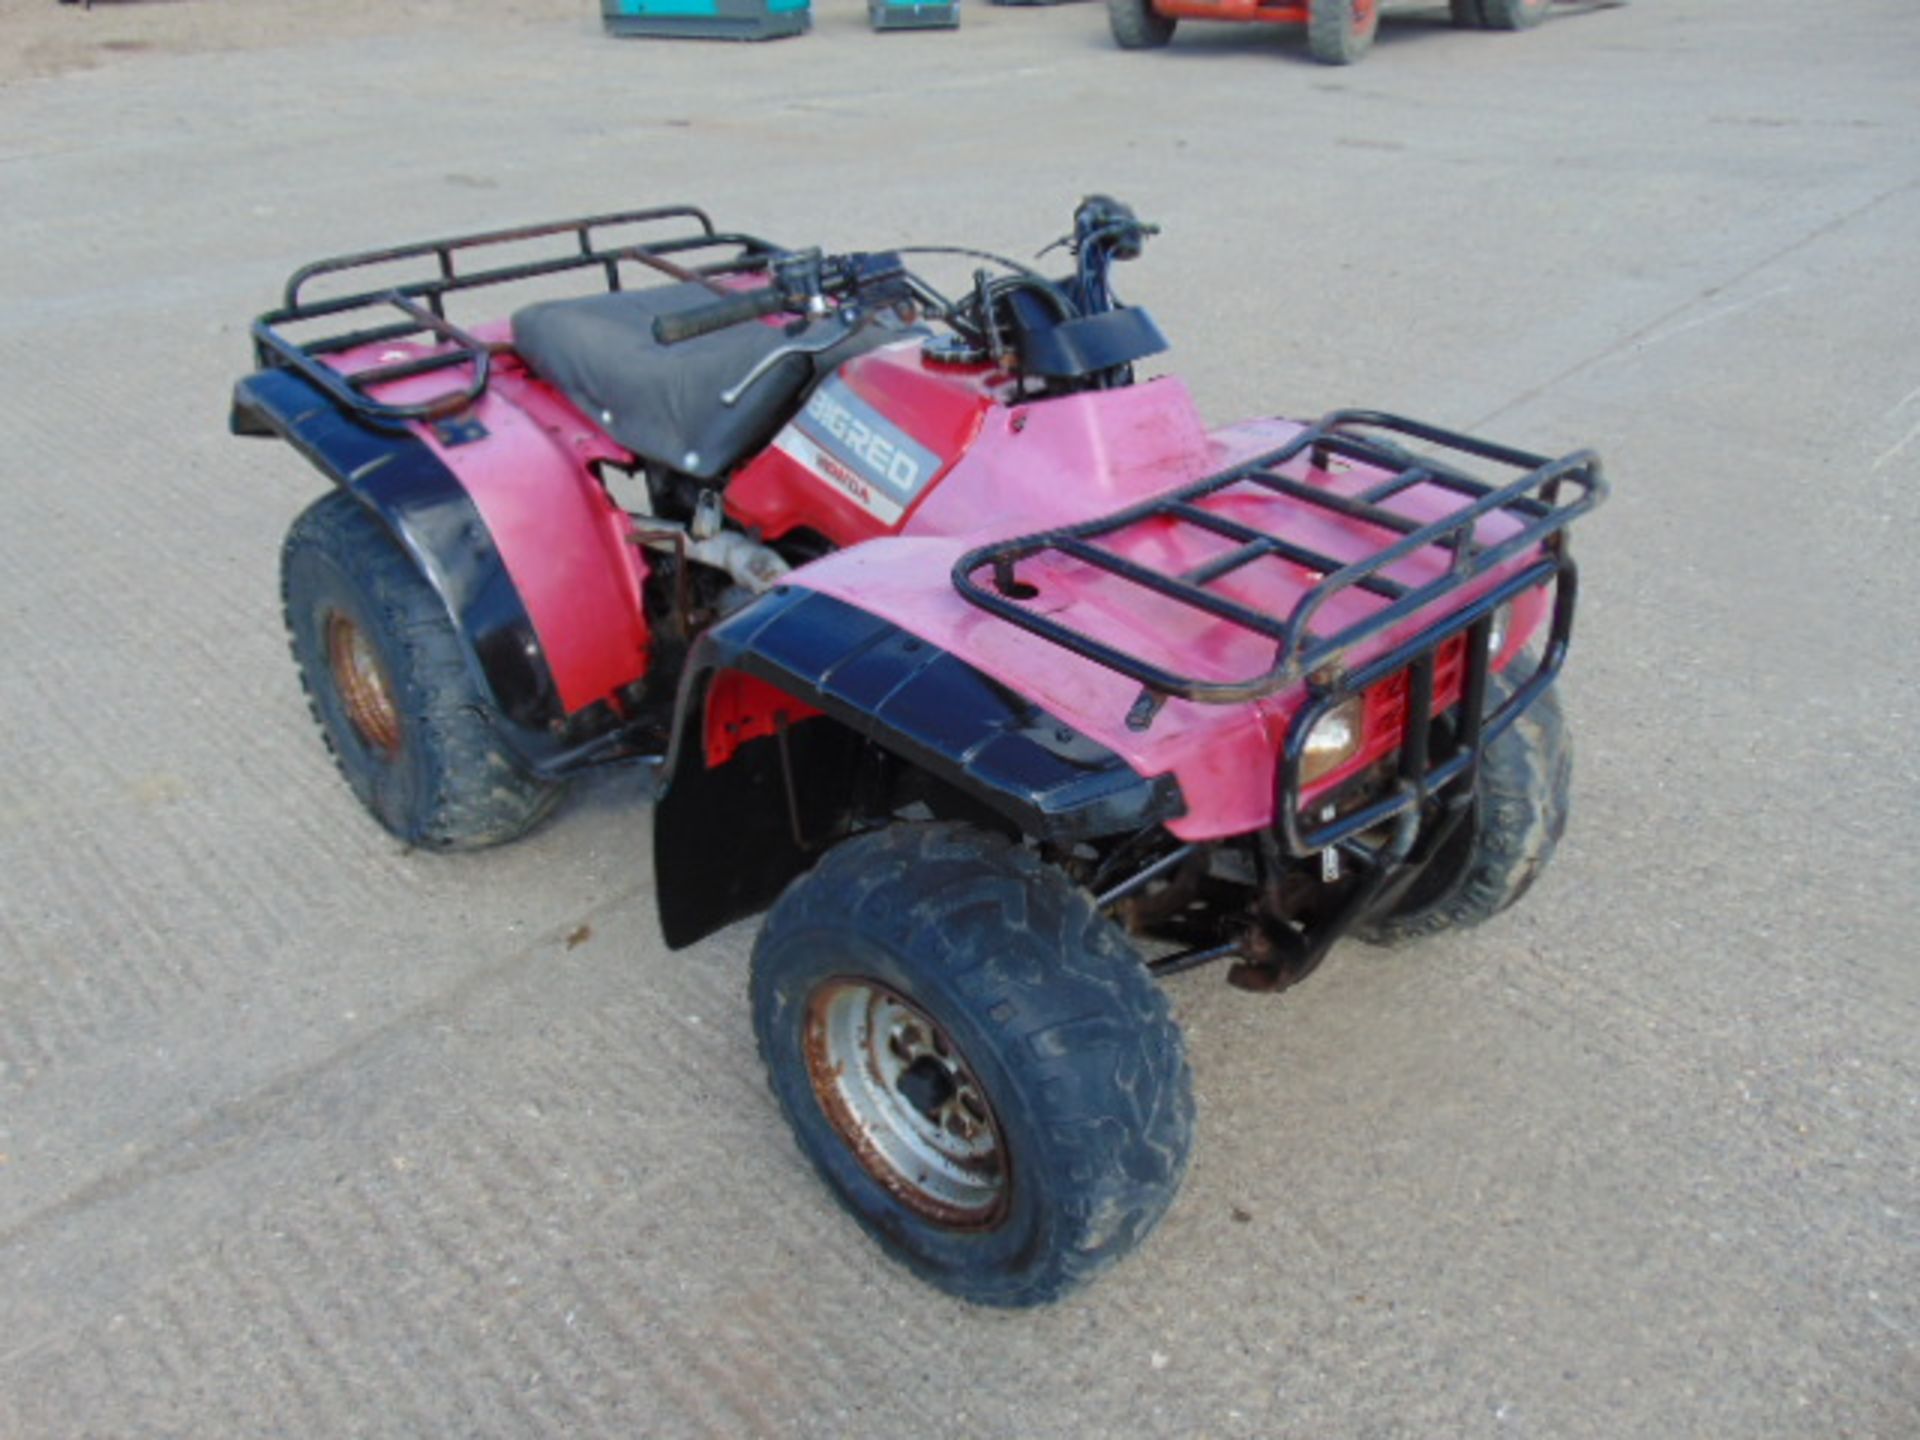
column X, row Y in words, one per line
column 800, row 449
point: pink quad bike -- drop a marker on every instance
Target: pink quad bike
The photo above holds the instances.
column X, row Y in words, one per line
column 1006, row 684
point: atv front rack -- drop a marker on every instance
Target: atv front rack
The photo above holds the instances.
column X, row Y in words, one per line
column 421, row 298
column 1544, row 499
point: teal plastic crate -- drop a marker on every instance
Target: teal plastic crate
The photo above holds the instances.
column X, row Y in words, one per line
column 707, row 19
column 909, row 15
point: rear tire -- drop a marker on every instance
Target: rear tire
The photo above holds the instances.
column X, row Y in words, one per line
column 1137, row 25
column 388, row 684
column 1466, row 14
column 1512, row 14
column 1500, row 849
column 974, row 1059
column 1339, row 32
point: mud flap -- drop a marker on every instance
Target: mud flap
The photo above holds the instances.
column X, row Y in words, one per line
column 729, row 838
column 725, row 844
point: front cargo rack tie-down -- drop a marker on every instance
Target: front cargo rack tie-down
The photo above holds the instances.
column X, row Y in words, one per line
column 1543, row 500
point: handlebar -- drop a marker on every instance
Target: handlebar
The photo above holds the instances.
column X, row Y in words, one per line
column 705, row 319
column 806, row 283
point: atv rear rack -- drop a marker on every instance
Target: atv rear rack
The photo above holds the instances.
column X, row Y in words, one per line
column 422, row 301
column 1548, row 496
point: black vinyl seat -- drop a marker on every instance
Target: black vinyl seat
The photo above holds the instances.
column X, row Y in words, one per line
column 663, row 401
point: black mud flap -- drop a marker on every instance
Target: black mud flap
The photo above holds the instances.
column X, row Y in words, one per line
column 728, row 839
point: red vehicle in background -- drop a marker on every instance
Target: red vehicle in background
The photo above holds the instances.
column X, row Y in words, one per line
column 1007, row 684
column 1339, row 32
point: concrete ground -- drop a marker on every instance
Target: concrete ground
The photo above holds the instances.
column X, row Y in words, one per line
column 301, row 1134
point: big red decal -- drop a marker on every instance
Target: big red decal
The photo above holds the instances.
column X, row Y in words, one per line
column 858, row 451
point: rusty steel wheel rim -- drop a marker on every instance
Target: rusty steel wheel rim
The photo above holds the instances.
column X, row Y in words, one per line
column 362, row 684
column 906, row 1103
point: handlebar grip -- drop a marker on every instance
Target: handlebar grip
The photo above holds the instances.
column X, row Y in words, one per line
column 705, row 319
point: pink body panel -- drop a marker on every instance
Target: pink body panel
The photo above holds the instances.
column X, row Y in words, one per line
column 561, row 538
column 1067, row 460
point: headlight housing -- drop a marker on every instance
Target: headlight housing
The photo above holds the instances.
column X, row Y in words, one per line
column 1334, row 740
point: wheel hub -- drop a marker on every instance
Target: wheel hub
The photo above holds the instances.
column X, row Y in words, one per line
column 362, row 684
column 906, row 1103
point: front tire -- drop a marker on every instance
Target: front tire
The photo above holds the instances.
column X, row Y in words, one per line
column 1137, row 25
column 1500, row 849
column 974, row 1059
column 1339, row 32
column 389, row 687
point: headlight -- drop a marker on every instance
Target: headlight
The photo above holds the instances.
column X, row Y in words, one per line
column 1501, row 627
column 1333, row 741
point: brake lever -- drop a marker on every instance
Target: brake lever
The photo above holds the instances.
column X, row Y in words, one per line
column 850, row 321
column 868, row 282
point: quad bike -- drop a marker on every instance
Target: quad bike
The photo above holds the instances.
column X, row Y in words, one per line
column 1004, row 683
column 1339, row 32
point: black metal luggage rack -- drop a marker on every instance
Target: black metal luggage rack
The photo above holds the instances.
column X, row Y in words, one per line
column 422, row 302
column 1548, row 496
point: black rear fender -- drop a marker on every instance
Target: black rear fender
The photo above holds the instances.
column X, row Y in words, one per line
column 434, row 521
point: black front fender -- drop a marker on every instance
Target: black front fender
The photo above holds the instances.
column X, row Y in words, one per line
column 727, row 839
